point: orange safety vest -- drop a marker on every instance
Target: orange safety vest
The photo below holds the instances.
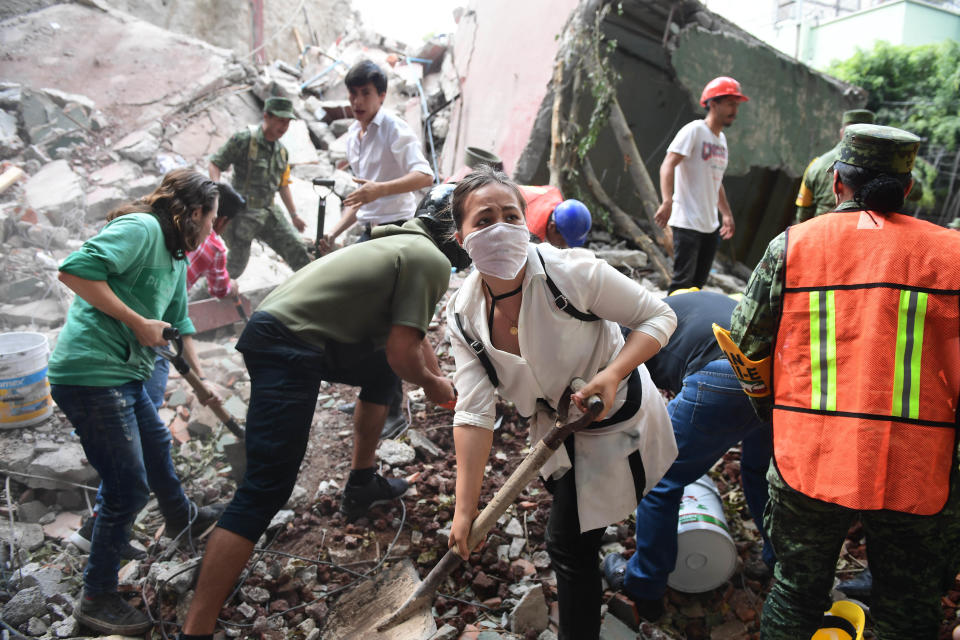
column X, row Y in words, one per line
column 541, row 201
column 866, row 371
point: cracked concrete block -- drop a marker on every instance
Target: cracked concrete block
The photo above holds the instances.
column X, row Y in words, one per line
column 396, row 453
column 142, row 186
column 102, row 201
column 54, row 191
column 63, row 99
column 531, row 612
column 66, row 463
column 139, row 147
column 25, row 535
column 27, row 603
column 46, row 313
column 31, row 511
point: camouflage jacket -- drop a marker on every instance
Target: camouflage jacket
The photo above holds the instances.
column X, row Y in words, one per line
column 259, row 167
column 753, row 326
column 816, row 189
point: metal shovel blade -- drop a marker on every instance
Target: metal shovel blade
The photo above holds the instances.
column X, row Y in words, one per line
column 355, row 615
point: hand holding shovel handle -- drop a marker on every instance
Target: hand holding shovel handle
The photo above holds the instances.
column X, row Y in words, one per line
column 517, row 481
column 203, row 394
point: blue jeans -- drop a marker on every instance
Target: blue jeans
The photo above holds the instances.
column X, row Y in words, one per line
column 128, row 445
column 709, row 415
column 155, row 386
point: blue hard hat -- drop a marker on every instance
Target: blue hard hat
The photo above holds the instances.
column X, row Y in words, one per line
column 573, row 221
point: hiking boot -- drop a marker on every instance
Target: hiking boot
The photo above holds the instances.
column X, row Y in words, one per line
column 108, row 613
column 82, row 536
column 356, row 500
column 199, row 519
column 858, row 587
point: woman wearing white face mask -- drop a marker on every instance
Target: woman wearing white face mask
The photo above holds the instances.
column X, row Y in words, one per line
column 537, row 317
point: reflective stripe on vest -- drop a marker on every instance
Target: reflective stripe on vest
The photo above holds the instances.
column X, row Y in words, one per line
column 823, row 351
column 906, row 380
column 866, row 366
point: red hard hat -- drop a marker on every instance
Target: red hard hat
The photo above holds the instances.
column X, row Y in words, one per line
column 722, row 86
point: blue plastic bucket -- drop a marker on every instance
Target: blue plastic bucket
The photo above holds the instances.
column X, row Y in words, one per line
column 24, row 388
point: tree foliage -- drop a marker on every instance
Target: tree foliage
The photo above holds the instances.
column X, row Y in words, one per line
column 916, row 88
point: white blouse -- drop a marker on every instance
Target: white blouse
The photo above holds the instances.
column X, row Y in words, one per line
column 557, row 347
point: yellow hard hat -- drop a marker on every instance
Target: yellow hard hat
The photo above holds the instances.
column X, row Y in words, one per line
column 687, row 290
column 844, row 621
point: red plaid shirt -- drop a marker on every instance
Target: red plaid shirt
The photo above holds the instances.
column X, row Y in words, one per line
column 210, row 260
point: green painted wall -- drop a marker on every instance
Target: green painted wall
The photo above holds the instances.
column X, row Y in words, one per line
column 793, row 113
column 904, row 22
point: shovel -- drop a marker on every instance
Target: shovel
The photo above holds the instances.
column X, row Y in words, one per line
column 203, row 394
column 518, row 480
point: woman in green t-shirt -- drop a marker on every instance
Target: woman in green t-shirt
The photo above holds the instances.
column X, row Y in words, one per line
column 130, row 281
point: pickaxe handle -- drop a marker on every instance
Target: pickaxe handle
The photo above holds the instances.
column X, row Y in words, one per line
column 203, row 394
column 518, row 480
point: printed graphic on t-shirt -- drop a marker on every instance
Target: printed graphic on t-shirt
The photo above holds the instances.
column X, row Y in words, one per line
column 711, row 150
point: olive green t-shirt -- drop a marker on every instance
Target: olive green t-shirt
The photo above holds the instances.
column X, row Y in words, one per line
column 357, row 294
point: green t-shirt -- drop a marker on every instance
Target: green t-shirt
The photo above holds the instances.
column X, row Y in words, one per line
column 96, row 350
column 356, row 294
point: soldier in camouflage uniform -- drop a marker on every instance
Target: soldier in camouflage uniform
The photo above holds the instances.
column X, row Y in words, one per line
column 912, row 552
column 260, row 170
column 816, row 187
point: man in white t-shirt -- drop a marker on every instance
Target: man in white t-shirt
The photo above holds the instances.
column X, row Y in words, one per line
column 691, row 183
column 384, row 154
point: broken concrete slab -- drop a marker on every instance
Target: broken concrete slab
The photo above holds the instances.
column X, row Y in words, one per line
column 298, row 143
column 116, row 174
column 55, row 191
column 67, row 463
column 25, row 535
column 25, row 604
column 47, row 312
column 531, row 612
column 139, row 146
column 102, row 201
column 396, row 453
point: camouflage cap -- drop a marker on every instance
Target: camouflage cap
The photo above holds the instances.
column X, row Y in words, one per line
column 280, row 107
column 858, row 116
column 883, row 149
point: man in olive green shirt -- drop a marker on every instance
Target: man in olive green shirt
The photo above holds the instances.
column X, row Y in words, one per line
column 357, row 316
column 816, row 187
column 260, row 170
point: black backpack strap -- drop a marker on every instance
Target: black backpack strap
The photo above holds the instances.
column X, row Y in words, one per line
column 481, row 352
column 561, row 300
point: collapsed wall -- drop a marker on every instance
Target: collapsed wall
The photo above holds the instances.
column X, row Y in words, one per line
column 665, row 53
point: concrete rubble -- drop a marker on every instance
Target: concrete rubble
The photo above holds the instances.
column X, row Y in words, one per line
column 92, row 131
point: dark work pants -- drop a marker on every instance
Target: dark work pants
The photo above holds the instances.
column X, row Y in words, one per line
column 285, row 376
column 575, row 559
column 693, row 254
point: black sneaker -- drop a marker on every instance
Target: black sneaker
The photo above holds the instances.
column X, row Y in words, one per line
column 356, row 500
column 108, row 613
column 82, row 536
column 614, row 568
column 393, row 426
column 199, row 520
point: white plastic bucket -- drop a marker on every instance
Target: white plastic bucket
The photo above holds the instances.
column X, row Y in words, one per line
column 24, row 388
column 706, row 555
